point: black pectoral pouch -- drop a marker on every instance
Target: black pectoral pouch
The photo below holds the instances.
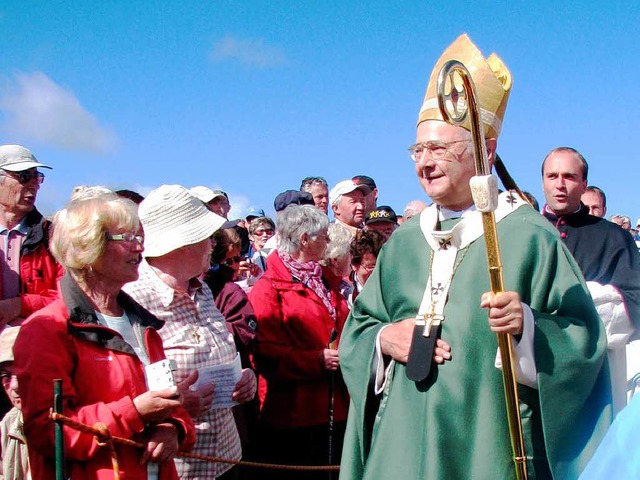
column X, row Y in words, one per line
column 421, row 353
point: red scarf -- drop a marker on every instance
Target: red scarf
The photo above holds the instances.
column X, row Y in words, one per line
column 310, row 274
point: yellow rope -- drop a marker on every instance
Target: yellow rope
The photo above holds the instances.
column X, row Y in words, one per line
column 104, row 438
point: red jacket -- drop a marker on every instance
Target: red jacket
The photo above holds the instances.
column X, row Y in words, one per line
column 39, row 271
column 101, row 376
column 294, row 327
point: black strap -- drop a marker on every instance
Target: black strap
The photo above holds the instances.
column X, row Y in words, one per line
column 421, row 353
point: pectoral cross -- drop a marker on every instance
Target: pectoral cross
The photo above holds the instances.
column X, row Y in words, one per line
column 430, row 320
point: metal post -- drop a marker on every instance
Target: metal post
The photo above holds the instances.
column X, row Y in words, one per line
column 59, row 438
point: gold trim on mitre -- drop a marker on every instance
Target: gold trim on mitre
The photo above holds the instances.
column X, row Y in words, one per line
column 491, row 77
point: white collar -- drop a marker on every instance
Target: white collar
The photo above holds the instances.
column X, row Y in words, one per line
column 469, row 228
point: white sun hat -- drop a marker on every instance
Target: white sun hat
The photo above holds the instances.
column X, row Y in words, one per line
column 173, row 218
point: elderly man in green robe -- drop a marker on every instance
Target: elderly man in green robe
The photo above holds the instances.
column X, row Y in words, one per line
column 452, row 424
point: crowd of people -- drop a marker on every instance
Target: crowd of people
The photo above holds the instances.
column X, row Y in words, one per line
column 366, row 342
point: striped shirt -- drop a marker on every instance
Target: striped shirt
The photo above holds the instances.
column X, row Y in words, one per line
column 195, row 335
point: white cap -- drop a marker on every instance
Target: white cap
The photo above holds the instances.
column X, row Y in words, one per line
column 7, row 340
column 173, row 218
column 205, row 194
column 344, row 187
column 16, row 158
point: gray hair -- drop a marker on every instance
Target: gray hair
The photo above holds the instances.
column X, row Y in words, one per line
column 260, row 222
column 309, row 182
column 296, row 220
column 339, row 244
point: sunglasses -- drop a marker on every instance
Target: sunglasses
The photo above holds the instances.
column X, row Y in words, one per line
column 25, row 176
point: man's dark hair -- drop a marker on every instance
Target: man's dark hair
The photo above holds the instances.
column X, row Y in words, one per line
column 577, row 155
column 365, row 241
column 135, row 197
column 594, row 189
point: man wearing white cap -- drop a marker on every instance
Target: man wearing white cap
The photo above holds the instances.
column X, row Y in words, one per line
column 216, row 200
column 178, row 229
column 347, row 203
column 29, row 272
column 418, row 353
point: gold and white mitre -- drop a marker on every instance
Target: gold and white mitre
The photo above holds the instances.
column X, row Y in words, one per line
column 491, row 77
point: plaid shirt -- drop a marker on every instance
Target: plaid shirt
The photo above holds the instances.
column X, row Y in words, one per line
column 195, row 335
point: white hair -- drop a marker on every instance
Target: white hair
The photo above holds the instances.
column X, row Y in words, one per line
column 296, row 220
column 339, row 244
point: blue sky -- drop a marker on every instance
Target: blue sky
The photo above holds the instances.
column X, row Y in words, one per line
column 253, row 96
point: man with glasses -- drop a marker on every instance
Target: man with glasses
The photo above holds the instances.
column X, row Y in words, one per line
column 29, row 271
column 419, row 351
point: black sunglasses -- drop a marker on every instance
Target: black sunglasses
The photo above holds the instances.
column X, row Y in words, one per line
column 26, row 176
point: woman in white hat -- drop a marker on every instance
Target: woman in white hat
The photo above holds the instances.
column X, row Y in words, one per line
column 178, row 229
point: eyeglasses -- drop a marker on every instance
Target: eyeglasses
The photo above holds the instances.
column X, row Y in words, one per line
column 265, row 231
column 230, row 261
column 26, row 176
column 126, row 237
column 436, row 150
column 368, row 268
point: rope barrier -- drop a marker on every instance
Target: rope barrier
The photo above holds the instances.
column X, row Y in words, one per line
column 104, row 438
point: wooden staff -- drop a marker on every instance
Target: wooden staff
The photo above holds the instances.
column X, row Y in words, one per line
column 484, row 188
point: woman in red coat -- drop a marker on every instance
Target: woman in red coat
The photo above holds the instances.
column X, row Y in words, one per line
column 98, row 341
column 300, row 316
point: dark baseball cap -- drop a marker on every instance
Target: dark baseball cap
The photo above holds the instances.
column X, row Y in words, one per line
column 382, row 214
column 364, row 180
column 292, row 197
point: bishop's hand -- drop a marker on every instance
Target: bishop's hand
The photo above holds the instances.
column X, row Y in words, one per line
column 505, row 312
column 395, row 341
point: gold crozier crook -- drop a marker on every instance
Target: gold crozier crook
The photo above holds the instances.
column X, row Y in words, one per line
column 455, row 105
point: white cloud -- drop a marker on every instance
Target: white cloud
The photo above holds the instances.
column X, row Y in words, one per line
column 37, row 108
column 254, row 53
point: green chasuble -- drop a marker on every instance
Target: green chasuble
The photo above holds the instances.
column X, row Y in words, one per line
column 454, row 425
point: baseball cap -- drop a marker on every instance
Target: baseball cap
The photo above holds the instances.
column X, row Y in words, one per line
column 382, row 213
column 254, row 213
column 292, row 197
column 205, row 194
column 344, row 187
column 15, row 158
column 364, row 180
